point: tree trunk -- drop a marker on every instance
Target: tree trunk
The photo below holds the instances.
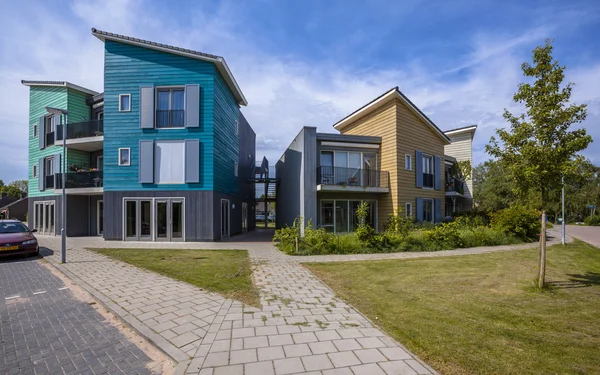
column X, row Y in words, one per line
column 542, row 264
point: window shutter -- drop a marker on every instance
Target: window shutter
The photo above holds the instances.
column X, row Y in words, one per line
column 419, row 168
column 438, row 210
column 192, row 161
column 146, row 107
column 419, row 209
column 42, row 133
column 41, row 175
column 56, row 166
column 437, row 168
column 146, row 162
column 192, row 106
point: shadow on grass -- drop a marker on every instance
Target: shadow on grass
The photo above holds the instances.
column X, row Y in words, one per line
column 577, row 281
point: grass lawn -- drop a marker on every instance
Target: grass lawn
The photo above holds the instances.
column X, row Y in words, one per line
column 479, row 314
column 222, row 271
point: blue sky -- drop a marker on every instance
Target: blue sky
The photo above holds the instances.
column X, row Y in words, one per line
column 313, row 62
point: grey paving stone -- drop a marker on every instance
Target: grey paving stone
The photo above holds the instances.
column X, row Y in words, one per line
column 255, row 342
column 277, row 340
column 304, row 337
column 242, row 356
column 370, row 369
column 338, row 371
column 229, row 370
column 273, row 352
column 418, row 367
column 288, row 366
column 343, row 359
column 395, row 353
column 322, row 347
column 316, row 362
column 217, row 359
column 259, row 368
column 369, row 355
column 347, row 344
column 397, row 368
column 327, row 335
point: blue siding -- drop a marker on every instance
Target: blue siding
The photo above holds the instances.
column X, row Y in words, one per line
column 227, row 143
column 128, row 67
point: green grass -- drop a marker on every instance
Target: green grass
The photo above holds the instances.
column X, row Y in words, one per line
column 481, row 314
column 222, row 271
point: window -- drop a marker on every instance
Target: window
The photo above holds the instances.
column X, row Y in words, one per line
column 35, row 171
column 235, row 169
column 35, row 131
column 408, row 210
column 124, row 102
column 49, row 120
column 237, row 127
column 428, row 210
column 100, row 115
column 408, row 162
column 124, row 156
column 428, row 171
column 170, row 111
column 169, row 162
column 49, row 166
column 339, row 216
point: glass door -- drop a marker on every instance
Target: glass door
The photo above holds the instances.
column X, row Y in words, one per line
column 50, row 207
column 370, row 169
column 131, row 220
column 341, row 168
column 176, row 214
column 354, row 165
column 326, row 166
column 162, row 232
column 145, row 220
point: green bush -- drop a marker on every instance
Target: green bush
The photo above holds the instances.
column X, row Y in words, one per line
column 473, row 218
column 592, row 220
column 517, row 221
column 445, row 236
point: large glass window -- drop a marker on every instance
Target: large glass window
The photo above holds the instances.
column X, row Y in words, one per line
column 339, row 216
column 131, row 218
column 428, row 171
column 428, row 210
column 169, row 162
column 170, row 107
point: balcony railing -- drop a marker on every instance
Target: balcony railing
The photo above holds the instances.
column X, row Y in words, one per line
column 49, row 139
column 428, row 180
column 49, row 182
column 170, row 119
column 454, row 184
column 91, row 128
column 78, row 180
column 352, row 177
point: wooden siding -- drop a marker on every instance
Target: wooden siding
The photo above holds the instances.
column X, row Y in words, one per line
column 41, row 97
column 79, row 111
column 414, row 134
column 461, row 149
column 128, row 67
column 226, row 142
column 382, row 123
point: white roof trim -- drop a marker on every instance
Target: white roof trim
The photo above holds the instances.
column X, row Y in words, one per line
column 393, row 93
column 59, row 84
column 219, row 62
column 463, row 130
column 351, row 145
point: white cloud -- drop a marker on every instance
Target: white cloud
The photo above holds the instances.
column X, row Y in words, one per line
column 284, row 92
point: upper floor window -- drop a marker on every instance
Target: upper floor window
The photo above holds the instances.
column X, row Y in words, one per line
column 237, row 127
column 169, row 162
column 34, row 170
column 49, row 120
column 49, row 166
column 408, row 162
column 124, row 102
column 35, row 130
column 170, row 107
column 124, row 157
column 427, row 171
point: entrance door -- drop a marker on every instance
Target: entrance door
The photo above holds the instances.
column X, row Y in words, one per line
column 225, row 230
column 44, row 218
column 162, row 218
column 244, row 217
column 100, row 218
column 169, row 220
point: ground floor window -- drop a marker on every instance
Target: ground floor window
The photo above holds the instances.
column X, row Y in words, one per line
column 428, row 210
column 339, row 216
column 44, row 217
column 154, row 219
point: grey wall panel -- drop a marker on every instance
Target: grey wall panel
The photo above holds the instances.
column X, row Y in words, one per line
column 93, row 204
column 310, row 163
column 246, row 169
column 146, row 162
column 192, row 106
column 199, row 218
column 78, row 214
column 289, row 196
column 146, row 107
column 192, row 161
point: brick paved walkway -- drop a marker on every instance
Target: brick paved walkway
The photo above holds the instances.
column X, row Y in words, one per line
column 302, row 326
column 44, row 329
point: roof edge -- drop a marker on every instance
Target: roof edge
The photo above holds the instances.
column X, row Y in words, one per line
column 464, row 129
column 219, row 61
column 59, row 84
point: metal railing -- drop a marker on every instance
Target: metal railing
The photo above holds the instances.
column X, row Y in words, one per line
column 428, row 180
column 84, row 129
column 170, row 118
column 352, row 177
column 454, row 184
column 77, row 180
column 49, row 139
column 49, row 182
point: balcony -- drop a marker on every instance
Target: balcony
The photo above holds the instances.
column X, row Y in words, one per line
column 455, row 187
column 428, row 180
column 49, row 139
column 352, row 180
column 81, row 182
column 170, row 118
column 85, row 136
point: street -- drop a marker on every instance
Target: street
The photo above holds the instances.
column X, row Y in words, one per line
column 46, row 329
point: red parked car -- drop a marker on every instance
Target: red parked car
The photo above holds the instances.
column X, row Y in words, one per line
column 17, row 239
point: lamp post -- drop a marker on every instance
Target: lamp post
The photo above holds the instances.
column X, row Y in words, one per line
column 62, row 113
column 563, row 211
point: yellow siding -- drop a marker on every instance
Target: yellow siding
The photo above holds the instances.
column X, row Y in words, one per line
column 382, row 123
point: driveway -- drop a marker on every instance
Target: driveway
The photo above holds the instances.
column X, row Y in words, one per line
column 46, row 329
column 590, row 235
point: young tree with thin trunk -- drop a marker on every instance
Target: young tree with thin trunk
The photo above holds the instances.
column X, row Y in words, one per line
column 539, row 147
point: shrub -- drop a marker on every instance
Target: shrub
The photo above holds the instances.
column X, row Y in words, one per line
column 518, row 221
column 476, row 218
column 485, row 236
column 445, row 236
column 592, row 220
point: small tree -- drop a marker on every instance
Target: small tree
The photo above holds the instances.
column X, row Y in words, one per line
column 539, row 148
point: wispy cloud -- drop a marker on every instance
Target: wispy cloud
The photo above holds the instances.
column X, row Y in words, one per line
column 285, row 91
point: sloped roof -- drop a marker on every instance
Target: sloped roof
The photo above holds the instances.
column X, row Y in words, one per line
column 465, row 129
column 383, row 99
column 217, row 60
column 59, row 84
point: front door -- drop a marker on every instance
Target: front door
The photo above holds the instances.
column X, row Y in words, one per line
column 225, row 230
column 169, row 220
column 138, row 220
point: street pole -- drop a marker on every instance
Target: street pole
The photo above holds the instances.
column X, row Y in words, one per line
column 63, row 231
column 563, row 211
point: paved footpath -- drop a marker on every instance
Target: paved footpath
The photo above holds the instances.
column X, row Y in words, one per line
column 45, row 329
column 590, row 235
column 302, row 327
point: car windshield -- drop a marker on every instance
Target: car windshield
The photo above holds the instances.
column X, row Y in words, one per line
column 13, row 228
